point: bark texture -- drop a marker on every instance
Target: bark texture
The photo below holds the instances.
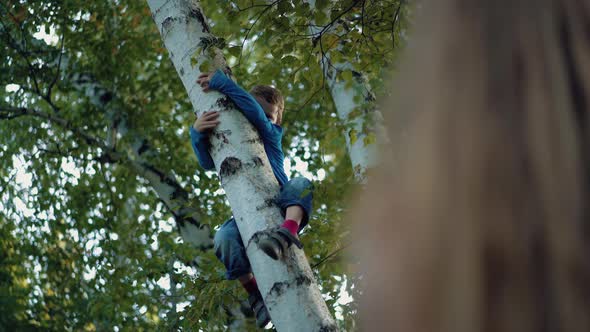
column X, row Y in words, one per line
column 289, row 288
column 362, row 150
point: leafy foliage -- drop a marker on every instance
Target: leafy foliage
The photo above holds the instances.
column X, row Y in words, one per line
column 85, row 243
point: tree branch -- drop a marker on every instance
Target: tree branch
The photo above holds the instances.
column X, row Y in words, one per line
column 330, row 255
column 253, row 24
column 61, row 51
column 13, row 112
column 336, row 19
column 395, row 19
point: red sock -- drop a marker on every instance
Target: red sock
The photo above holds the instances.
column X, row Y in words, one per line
column 251, row 286
column 291, row 225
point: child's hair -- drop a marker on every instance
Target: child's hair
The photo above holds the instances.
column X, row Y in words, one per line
column 271, row 95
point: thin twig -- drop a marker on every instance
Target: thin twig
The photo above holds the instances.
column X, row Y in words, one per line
column 309, row 99
column 61, row 51
column 12, row 112
column 252, row 27
column 395, row 17
column 332, row 254
column 327, row 26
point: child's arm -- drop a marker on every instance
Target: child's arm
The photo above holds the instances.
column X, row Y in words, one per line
column 200, row 139
column 245, row 103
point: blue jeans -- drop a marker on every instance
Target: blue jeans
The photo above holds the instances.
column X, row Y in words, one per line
column 229, row 247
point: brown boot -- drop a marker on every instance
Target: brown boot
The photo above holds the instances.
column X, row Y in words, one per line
column 260, row 311
column 275, row 242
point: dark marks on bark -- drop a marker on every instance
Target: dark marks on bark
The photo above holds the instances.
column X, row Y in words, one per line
column 181, row 71
column 257, row 161
column 328, row 328
column 222, row 135
column 229, row 166
column 302, row 280
column 269, row 202
column 195, row 12
column 167, row 24
column 279, row 287
column 224, row 103
column 252, row 141
column 224, row 138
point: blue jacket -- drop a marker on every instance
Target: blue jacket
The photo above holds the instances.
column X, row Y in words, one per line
column 270, row 133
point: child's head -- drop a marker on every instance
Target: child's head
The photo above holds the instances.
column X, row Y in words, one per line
column 271, row 100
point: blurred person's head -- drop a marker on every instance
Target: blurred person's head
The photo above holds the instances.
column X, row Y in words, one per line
column 476, row 219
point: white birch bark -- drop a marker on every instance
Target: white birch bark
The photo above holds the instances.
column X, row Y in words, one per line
column 289, row 287
column 363, row 155
column 361, row 150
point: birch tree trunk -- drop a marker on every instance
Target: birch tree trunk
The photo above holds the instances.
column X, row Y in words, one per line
column 289, row 288
column 361, row 135
column 363, row 130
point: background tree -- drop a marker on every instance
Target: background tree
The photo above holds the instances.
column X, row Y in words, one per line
column 94, row 125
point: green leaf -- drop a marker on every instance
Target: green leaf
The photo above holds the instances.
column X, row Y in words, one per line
column 329, row 41
column 320, row 5
column 369, row 139
column 195, row 59
column 235, row 51
column 346, row 75
column 205, row 66
column 289, row 60
column 352, row 134
column 320, row 17
column 276, row 52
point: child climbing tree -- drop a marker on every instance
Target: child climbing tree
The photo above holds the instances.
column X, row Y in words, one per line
column 287, row 286
column 110, row 220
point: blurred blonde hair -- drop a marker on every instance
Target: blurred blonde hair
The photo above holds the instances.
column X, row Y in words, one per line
column 477, row 218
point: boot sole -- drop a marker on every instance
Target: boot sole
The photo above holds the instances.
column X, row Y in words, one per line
column 269, row 249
